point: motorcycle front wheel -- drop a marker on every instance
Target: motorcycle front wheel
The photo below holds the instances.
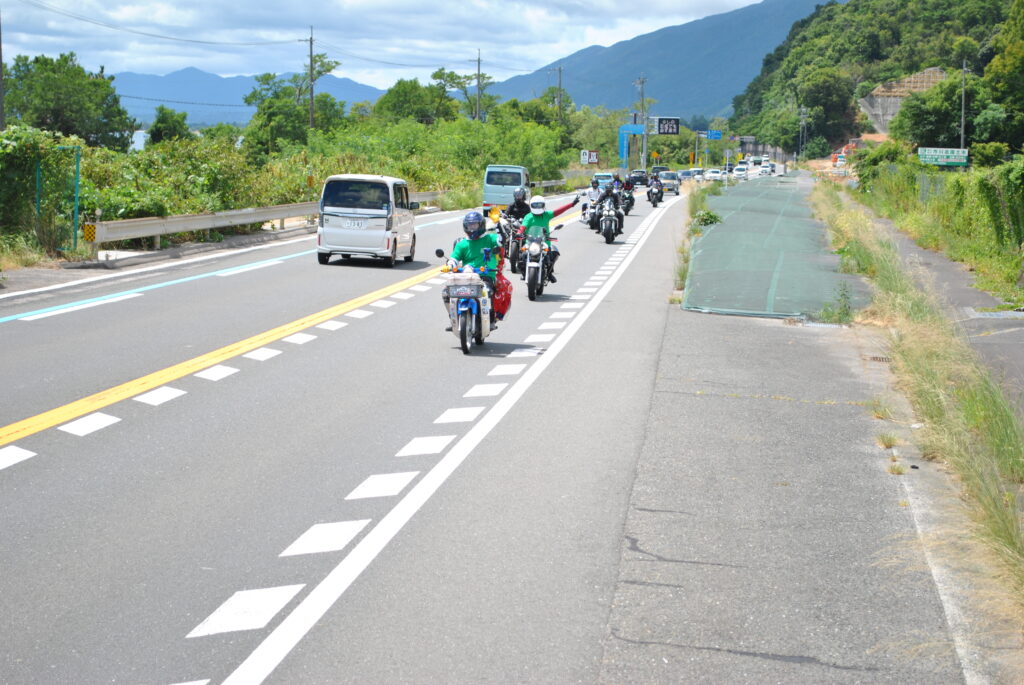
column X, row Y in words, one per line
column 465, row 331
column 532, row 281
column 513, row 256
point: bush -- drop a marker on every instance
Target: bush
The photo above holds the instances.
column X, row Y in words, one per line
column 989, row 154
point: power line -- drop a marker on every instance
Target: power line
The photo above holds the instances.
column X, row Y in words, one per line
column 57, row 10
column 183, row 102
column 342, row 51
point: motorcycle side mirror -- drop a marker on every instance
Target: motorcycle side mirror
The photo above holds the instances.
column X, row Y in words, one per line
column 439, row 253
column 558, row 227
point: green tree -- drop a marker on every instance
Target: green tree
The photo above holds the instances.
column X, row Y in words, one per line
column 407, row 99
column 446, row 81
column 57, row 94
column 932, row 118
column 828, row 93
column 168, row 125
column 222, row 131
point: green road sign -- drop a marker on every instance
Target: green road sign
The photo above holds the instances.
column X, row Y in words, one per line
column 942, row 156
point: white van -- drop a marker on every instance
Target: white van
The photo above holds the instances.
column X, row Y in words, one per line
column 366, row 215
column 500, row 181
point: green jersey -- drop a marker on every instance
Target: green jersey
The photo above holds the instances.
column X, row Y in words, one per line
column 471, row 252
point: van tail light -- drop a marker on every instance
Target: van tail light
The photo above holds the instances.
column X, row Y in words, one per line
column 387, row 245
column 319, row 236
column 389, row 223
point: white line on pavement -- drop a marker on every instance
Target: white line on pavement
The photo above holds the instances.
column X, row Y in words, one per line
column 216, row 373
column 244, row 269
column 155, row 398
column 383, row 304
column 433, row 444
column 359, row 313
column 331, row 325
column 507, row 370
column 12, row 454
column 325, row 537
column 299, row 338
column 247, row 610
column 89, row 424
column 459, row 415
column 486, row 390
column 276, row 646
column 79, row 307
column 382, row 485
column 262, row 354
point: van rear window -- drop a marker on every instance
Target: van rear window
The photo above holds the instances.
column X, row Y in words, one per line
column 504, row 178
column 356, row 195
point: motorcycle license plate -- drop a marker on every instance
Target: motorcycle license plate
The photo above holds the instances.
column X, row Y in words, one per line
column 464, row 291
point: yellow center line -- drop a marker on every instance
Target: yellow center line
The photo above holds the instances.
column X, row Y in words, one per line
column 105, row 398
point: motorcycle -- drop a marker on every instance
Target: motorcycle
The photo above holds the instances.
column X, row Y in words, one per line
column 469, row 302
column 609, row 222
column 627, row 201
column 535, row 264
column 656, row 194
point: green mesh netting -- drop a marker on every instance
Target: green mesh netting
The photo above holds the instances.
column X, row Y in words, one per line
column 768, row 257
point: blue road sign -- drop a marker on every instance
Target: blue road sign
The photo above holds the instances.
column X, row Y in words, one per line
column 714, row 135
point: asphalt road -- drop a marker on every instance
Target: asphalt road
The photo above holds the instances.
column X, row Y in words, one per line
column 123, row 537
column 346, row 497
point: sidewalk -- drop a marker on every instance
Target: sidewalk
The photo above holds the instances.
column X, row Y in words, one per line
column 767, row 540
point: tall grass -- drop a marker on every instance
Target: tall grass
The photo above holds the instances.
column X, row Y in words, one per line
column 968, row 420
column 19, row 250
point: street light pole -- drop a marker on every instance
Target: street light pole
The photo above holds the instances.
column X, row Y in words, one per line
column 311, row 121
column 963, row 100
column 643, row 114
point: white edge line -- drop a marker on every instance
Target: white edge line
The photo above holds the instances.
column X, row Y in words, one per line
column 79, row 307
column 276, row 646
column 157, row 267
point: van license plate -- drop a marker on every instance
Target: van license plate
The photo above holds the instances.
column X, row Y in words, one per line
column 353, row 223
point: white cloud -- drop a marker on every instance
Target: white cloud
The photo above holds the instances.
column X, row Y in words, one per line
column 519, row 35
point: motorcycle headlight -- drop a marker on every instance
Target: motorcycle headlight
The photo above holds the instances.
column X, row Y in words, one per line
column 534, row 248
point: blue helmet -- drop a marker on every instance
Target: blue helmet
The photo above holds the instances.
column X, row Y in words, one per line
column 473, row 225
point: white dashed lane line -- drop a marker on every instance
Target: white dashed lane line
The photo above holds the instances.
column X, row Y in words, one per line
column 89, row 424
column 552, row 326
column 262, row 354
column 299, row 338
column 359, row 313
column 216, row 373
column 325, row 537
column 433, row 444
column 573, row 305
column 525, row 352
column 247, row 610
column 507, row 370
column 422, row 288
column 331, row 325
column 539, row 338
column 155, row 398
column 579, row 296
column 436, row 281
column 383, row 304
column 382, row 485
column 245, row 269
column 459, row 415
column 404, row 296
column 12, row 454
column 195, row 682
column 486, row 390
column 562, row 315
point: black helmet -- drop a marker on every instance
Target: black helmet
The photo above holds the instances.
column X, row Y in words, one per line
column 519, row 194
column 473, row 225
column 615, row 175
column 594, row 183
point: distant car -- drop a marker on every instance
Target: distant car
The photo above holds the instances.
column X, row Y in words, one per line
column 603, row 178
column 639, row 177
column 740, row 172
column 658, row 169
column 685, row 175
column 366, row 215
column 765, row 170
column 669, row 181
column 713, row 174
column 698, row 174
column 729, row 167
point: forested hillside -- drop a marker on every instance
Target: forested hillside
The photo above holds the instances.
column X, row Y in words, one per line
column 842, row 51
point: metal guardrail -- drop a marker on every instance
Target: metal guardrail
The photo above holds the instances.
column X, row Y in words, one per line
column 153, row 227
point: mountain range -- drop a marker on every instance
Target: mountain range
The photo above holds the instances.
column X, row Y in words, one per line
column 692, row 68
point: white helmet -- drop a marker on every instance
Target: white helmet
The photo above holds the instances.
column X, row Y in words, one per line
column 537, row 204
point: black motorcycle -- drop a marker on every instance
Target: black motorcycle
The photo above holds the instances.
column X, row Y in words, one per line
column 655, row 194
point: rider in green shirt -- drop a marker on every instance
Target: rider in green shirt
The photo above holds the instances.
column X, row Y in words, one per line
column 538, row 221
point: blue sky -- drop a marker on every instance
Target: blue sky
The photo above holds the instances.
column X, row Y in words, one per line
column 416, row 36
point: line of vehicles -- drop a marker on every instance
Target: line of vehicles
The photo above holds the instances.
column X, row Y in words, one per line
column 373, row 216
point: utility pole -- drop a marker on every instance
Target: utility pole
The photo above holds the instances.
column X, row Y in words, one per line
column 803, row 132
column 560, row 94
column 3, row 123
column 963, row 100
column 311, row 122
column 643, row 113
column 478, row 84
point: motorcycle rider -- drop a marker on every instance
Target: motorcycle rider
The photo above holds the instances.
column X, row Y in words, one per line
column 519, row 207
column 537, row 223
column 611, row 192
column 470, row 252
column 593, row 195
column 654, row 184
